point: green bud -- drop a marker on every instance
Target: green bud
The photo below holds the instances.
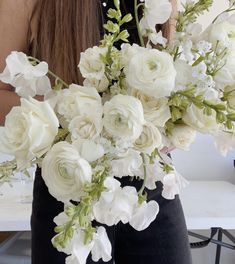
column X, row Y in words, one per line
column 176, row 114
column 111, row 27
column 207, row 111
column 220, row 117
column 117, row 4
column 127, row 18
column 123, row 35
column 231, row 116
column 229, row 124
column 112, row 13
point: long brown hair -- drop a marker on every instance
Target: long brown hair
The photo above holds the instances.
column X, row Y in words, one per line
column 65, row 28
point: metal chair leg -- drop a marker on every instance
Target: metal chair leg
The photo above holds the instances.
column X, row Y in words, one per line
column 218, row 247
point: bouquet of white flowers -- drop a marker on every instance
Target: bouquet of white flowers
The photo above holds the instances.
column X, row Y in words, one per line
column 134, row 101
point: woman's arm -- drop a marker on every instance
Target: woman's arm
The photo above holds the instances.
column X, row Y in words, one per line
column 14, row 26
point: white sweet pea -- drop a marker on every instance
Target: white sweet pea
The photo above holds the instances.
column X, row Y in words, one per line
column 65, row 172
column 149, row 139
column 91, row 64
column 126, row 164
column 102, row 247
column 144, row 215
column 78, row 101
column 152, row 72
column 28, row 80
column 116, row 204
column 173, row 183
column 155, row 12
column 124, row 117
column 182, row 136
column 201, row 122
column 29, row 131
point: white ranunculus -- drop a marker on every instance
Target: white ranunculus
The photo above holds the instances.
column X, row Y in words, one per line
column 182, row 136
column 102, row 248
column 115, row 204
column 124, row 117
column 156, row 111
column 91, row 64
column 86, row 127
column 149, row 139
column 100, row 85
column 65, row 172
column 155, row 12
column 126, row 164
column 128, row 51
column 196, row 119
column 152, row 72
column 28, row 80
column 173, row 183
column 78, row 100
column 88, row 149
column 144, row 215
column 29, row 131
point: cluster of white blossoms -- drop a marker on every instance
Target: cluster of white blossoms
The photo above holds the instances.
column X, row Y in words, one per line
column 134, row 102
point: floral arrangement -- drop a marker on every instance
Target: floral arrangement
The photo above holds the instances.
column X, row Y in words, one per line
column 134, row 101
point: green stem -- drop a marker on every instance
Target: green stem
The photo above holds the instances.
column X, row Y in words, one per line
column 138, row 24
column 50, row 72
column 225, row 11
column 145, row 174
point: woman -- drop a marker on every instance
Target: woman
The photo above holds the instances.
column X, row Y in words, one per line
column 57, row 31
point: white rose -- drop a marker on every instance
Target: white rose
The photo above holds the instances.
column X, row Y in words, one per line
column 78, row 100
column 65, row 172
column 86, row 127
column 201, row 122
column 91, row 65
column 100, row 85
column 29, row 131
column 149, row 139
column 144, row 215
column 124, row 117
column 116, row 204
column 152, row 72
column 28, row 80
column 126, row 164
column 182, row 136
column 156, row 111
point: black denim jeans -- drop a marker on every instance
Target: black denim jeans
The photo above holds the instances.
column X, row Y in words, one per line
column 165, row 241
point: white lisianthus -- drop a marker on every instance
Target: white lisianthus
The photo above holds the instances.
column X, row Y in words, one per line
column 182, row 136
column 29, row 131
column 152, row 72
column 86, row 127
column 88, row 149
column 28, row 80
column 144, row 215
column 173, row 183
column 195, row 118
column 78, row 100
column 65, row 172
column 91, row 64
column 126, row 164
column 100, row 85
column 116, row 204
column 149, row 139
column 124, row 117
column 155, row 12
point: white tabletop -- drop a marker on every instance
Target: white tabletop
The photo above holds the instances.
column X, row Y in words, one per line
column 206, row 204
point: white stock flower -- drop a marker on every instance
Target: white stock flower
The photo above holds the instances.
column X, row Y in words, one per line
column 152, row 72
column 102, row 247
column 126, row 164
column 149, row 139
column 65, row 172
column 182, row 136
column 28, row 80
column 144, row 215
column 173, row 183
column 124, row 117
column 86, row 126
column 184, row 74
column 116, row 203
column 201, row 122
column 29, row 131
column 155, row 12
column 78, row 100
column 91, row 64
column 156, row 111
column 157, row 38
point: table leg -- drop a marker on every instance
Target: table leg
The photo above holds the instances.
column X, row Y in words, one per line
column 218, row 247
